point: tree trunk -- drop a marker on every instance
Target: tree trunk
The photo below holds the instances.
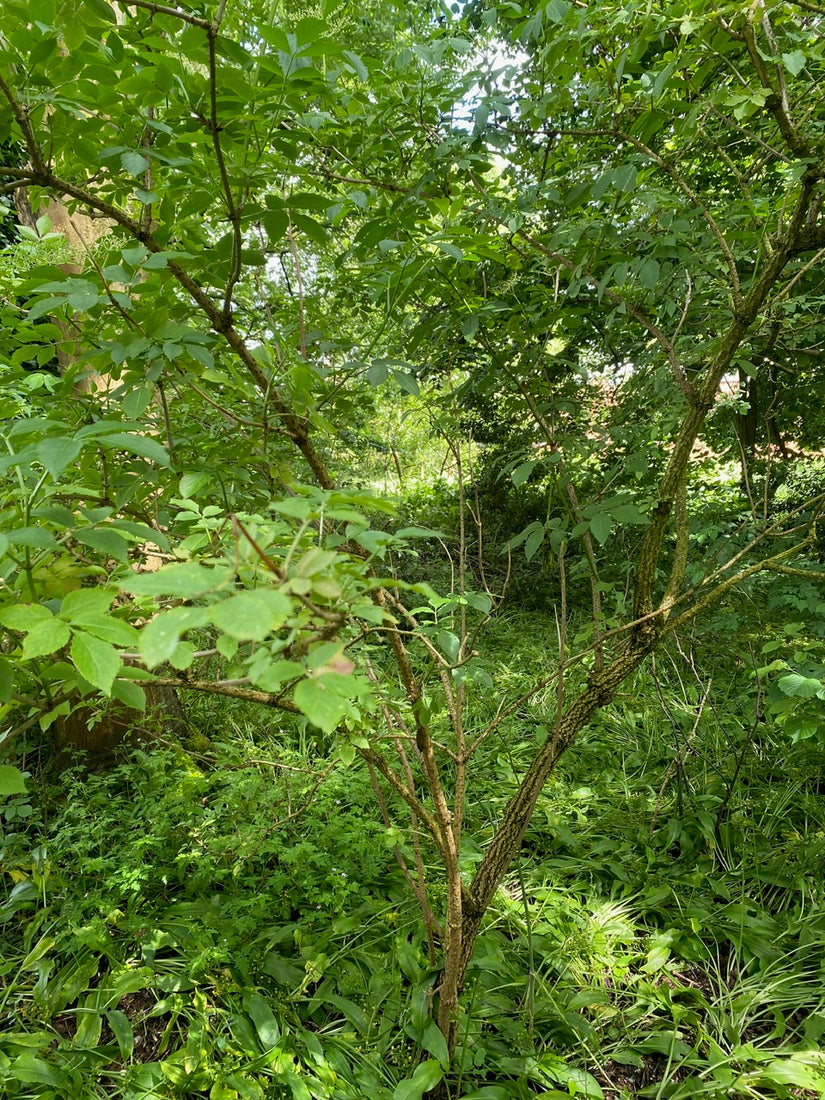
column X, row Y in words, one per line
column 598, row 692
column 104, row 736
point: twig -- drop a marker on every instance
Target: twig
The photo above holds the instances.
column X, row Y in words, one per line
column 162, row 9
column 693, row 198
column 776, row 103
column 685, row 308
column 632, row 310
column 561, row 631
column 212, row 687
column 678, row 760
column 232, row 208
column 296, row 260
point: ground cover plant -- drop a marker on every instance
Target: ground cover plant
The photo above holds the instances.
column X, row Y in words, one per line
column 169, row 940
column 269, row 269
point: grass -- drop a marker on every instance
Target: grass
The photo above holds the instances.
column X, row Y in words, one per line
column 207, row 922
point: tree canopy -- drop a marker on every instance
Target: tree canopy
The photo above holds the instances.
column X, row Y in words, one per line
column 584, row 240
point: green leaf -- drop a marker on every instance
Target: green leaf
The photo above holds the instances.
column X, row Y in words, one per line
column 747, row 367
column 258, row 1010
column 86, row 601
column 121, row 1027
column 107, row 628
column 322, row 707
column 130, row 694
column 275, row 224
column 419, row 533
column 251, row 616
column 794, row 62
column 103, row 9
column 803, row 1069
column 469, row 327
column 41, row 948
column 33, row 1070
column 24, row 616
column 434, row 1043
column 407, row 382
column 36, row 537
column 656, row 958
column 799, row 687
column 555, row 10
column 6, row 680
column 137, row 402
column 193, row 482
column 378, row 373
column 299, row 507
column 45, row 638
column 479, row 601
column 449, row 644
column 273, row 677
column 426, row 1076
column 140, row 445
column 534, row 541
column 522, row 472
column 83, row 300
column 135, row 163
column 182, row 655
column 624, row 179
column 105, row 540
column 626, row 513
column 11, row 781
column 140, row 532
column 96, row 661
column 159, row 638
column 600, row 525
column 315, row 560
column 56, row 453
column 450, row 249
column 185, row 580
column 649, row 273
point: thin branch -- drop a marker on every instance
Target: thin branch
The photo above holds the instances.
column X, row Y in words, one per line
column 808, row 574
column 767, row 564
column 381, row 185
column 400, row 787
column 776, row 529
column 233, row 416
column 693, row 198
column 167, row 422
column 561, row 631
column 685, row 308
column 163, row 9
column 632, row 310
column 578, row 518
column 24, row 174
column 417, row 885
column 806, row 5
column 785, row 291
column 776, row 103
column 299, row 280
column 232, row 207
column 234, row 691
column 21, row 114
column 678, row 760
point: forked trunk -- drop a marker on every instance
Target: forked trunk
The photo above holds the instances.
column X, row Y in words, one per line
column 475, row 900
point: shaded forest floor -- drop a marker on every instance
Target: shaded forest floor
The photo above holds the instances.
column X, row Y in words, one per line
column 208, row 920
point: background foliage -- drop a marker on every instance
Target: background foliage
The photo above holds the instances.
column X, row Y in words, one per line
column 416, row 391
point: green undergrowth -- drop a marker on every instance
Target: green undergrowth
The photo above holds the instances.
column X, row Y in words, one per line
column 227, row 920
